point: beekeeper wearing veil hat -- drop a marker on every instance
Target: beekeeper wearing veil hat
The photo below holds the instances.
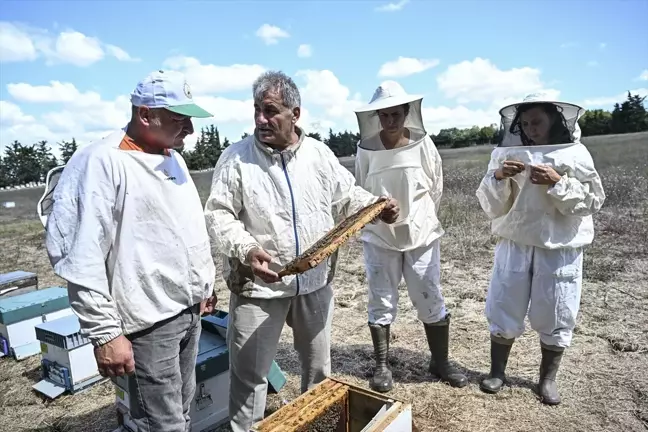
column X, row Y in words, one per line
column 540, row 192
column 397, row 158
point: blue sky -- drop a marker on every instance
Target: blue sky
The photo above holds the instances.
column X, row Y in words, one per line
column 66, row 68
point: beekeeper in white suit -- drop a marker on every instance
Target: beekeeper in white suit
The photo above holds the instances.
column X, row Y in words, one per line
column 397, row 158
column 540, row 192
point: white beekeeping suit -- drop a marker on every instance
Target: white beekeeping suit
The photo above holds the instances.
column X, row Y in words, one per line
column 542, row 229
column 410, row 172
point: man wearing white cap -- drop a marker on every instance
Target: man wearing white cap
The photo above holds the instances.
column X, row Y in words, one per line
column 127, row 232
column 397, row 158
column 274, row 194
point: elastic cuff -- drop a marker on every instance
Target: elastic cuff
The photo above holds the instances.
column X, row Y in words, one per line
column 245, row 250
column 102, row 340
column 559, row 188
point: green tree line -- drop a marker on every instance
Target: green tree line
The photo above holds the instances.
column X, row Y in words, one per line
column 21, row 164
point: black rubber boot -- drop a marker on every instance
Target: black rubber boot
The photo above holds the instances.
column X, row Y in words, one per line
column 547, row 387
column 438, row 337
column 500, row 350
column 382, row 378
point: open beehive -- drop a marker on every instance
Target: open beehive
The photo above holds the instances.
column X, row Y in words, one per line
column 332, row 240
column 336, row 406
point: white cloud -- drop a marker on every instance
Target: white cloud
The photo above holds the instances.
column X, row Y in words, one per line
column 15, row 45
column 56, row 91
column 209, row 78
column 78, row 49
column 405, row 66
column 11, row 114
column 82, row 115
column 592, row 63
column 323, row 89
column 437, row 118
column 120, row 54
column 392, row 7
column 480, row 80
column 643, row 76
column 22, row 43
column 608, row 102
column 271, row 34
column 304, row 51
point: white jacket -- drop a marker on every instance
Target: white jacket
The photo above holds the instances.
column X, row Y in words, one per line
column 127, row 232
column 413, row 176
column 283, row 202
column 553, row 217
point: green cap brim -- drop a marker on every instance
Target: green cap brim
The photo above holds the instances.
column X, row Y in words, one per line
column 190, row 110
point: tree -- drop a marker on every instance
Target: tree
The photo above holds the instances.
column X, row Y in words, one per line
column 245, row 135
column 46, row 159
column 314, row 135
column 629, row 116
column 67, row 150
column 22, row 163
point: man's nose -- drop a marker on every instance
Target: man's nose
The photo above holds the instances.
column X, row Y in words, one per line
column 260, row 119
column 189, row 126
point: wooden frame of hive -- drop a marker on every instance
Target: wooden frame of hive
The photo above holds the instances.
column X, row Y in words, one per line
column 362, row 410
column 332, row 240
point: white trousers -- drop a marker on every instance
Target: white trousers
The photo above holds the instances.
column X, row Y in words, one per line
column 421, row 269
column 546, row 283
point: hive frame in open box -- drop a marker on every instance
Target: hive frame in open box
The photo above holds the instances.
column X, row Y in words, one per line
column 347, row 407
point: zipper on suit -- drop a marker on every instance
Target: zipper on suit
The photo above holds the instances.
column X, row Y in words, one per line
column 294, row 213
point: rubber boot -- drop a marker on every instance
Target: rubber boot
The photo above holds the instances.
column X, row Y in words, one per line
column 382, row 377
column 500, row 350
column 438, row 337
column 547, row 387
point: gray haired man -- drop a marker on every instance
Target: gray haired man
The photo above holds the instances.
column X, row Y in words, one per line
column 273, row 195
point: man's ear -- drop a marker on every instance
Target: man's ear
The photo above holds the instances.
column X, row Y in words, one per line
column 296, row 114
column 143, row 115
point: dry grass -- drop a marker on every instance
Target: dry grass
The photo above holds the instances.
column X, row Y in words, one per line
column 604, row 376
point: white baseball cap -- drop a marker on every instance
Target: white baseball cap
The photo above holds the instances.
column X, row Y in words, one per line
column 169, row 90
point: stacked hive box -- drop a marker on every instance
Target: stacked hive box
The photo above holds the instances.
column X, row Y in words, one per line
column 20, row 314
column 17, row 282
column 209, row 409
column 67, row 358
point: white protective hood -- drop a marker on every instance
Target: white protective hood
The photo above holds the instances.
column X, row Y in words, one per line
column 538, row 215
column 571, row 113
column 411, row 174
column 389, row 94
column 46, row 202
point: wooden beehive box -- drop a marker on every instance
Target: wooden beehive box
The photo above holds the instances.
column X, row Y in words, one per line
column 337, row 406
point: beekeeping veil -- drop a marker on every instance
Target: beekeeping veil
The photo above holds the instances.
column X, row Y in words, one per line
column 46, row 202
column 389, row 94
column 510, row 126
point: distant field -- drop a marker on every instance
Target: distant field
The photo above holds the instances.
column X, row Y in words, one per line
column 604, row 375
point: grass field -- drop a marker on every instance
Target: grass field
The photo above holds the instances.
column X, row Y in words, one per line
column 604, row 376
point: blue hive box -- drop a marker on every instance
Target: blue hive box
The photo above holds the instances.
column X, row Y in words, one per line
column 209, row 409
column 20, row 314
column 68, row 359
column 17, row 282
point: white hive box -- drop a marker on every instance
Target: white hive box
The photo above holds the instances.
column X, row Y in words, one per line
column 68, row 359
column 17, row 282
column 20, row 314
column 210, row 407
